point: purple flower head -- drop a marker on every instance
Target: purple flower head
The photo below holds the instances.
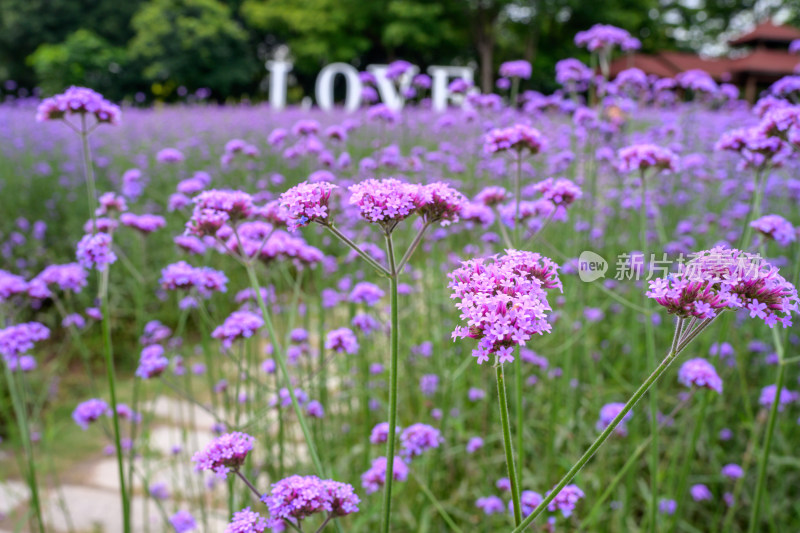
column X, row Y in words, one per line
column 373, row 479
column 365, row 293
column 572, row 72
column 297, row 497
column 566, row 500
column 608, row 413
column 767, row 397
column 154, row 332
column 307, row 203
column 439, row 202
column 314, row 409
column 516, row 69
column 397, row 68
column 145, row 223
column 89, row 411
column 247, row 521
column 16, row 341
column 79, row 101
column 529, row 500
column 725, row 278
column 11, row 285
column 365, row 323
column 518, row 138
column 492, row 195
column 237, row 205
column 170, row 156
column 732, row 471
column 562, row 192
column 776, row 228
column 239, row 325
column 94, row 251
column 152, row 362
column 342, row 340
column 700, row 493
column 700, row 373
column 474, row 444
column 604, row 37
column 503, row 300
column 417, row 438
column 385, row 202
column 224, row 453
column 475, row 394
column 110, row 203
column 428, row 383
column 380, row 433
column 644, row 156
column 667, row 506
column 490, row 505
column 183, row 522
column 183, row 276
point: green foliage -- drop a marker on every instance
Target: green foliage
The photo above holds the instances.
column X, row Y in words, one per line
column 84, row 58
column 193, row 43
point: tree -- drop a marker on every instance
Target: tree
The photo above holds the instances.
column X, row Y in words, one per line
column 193, row 43
column 84, row 58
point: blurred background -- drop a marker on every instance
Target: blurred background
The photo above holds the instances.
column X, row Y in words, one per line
column 165, row 50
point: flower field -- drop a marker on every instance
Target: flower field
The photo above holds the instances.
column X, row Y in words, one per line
column 570, row 314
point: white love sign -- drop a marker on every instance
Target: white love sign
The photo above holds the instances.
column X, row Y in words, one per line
column 391, row 91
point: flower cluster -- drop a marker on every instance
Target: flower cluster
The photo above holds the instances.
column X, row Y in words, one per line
column 775, row 227
column 439, row 202
column 239, row 325
column 152, row 362
column 297, row 497
column 94, row 251
column 89, row 411
column 386, row 202
column 342, row 340
column 644, row 156
column 700, row 373
column 78, row 101
column 566, row 500
column 247, row 521
column 562, row 192
column 503, row 300
column 417, row 438
column 224, row 453
column 608, row 413
column 516, row 69
column 16, row 341
column 307, row 203
column 212, row 209
column 725, row 278
column 518, row 137
column 183, row 276
column 373, row 479
column 605, row 37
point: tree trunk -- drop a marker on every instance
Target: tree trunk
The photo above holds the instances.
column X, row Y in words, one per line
column 486, row 53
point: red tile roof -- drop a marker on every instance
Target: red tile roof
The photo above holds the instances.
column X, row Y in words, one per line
column 768, row 31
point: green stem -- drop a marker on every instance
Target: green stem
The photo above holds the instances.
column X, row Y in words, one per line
column 641, row 391
column 688, row 456
column 765, row 451
column 112, row 387
column 395, row 344
column 357, row 249
column 25, row 437
column 755, row 208
column 281, row 359
column 436, row 503
column 650, row 346
column 88, row 170
column 512, row 471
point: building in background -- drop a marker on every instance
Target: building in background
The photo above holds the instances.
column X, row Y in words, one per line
column 758, row 59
